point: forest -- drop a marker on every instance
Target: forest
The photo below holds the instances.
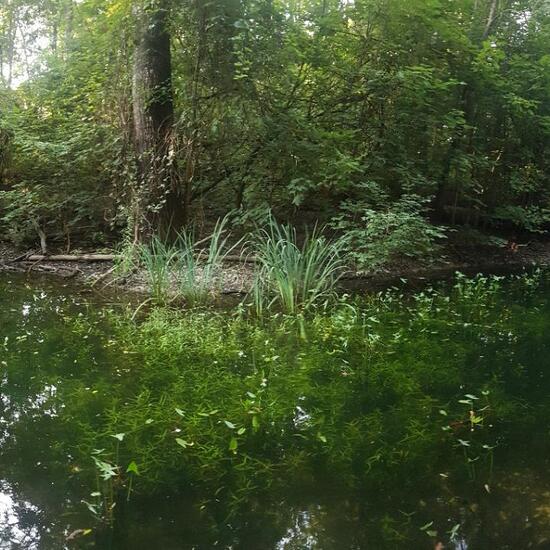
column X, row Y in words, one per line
column 274, row 274
column 398, row 123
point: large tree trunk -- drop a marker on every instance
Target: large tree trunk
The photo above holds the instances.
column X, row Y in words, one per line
column 158, row 199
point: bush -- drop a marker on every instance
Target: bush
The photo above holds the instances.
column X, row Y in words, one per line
column 374, row 238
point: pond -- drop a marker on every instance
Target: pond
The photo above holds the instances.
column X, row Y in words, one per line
column 392, row 421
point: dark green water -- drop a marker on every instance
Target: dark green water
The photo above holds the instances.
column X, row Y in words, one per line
column 60, row 370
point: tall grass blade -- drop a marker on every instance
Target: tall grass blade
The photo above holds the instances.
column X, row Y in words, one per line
column 291, row 276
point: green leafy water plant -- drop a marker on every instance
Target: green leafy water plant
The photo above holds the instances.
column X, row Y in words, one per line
column 233, row 407
column 104, row 497
column 213, row 390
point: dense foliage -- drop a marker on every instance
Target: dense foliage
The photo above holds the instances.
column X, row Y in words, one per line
column 354, row 110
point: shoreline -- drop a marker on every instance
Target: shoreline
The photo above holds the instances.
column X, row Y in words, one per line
column 238, row 276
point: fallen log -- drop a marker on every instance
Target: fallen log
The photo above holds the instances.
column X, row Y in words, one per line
column 70, row 258
column 240, row 259
column 22, row 257
column 108, row 258
column 11, row 268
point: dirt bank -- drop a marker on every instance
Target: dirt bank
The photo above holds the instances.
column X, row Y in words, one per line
column 237, row 277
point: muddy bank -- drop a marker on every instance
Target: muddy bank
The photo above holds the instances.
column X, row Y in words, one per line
column 237, row 276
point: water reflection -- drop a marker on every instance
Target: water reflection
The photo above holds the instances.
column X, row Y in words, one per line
column 17, row 521
column 37, row 509
column 304, row 531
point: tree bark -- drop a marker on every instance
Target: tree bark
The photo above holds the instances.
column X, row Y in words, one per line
column 158, row 195
column 490, row 19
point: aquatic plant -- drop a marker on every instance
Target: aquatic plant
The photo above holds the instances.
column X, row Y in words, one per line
column 361, row 396
column 158, row 257
column 293, row 276
column 233, row 407
column 199, row 269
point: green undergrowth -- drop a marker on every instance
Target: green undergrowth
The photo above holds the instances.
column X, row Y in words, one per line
column 368, row 393
column 290, row 274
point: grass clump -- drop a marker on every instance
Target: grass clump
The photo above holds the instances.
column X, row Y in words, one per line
column 291, row 276
column 199, row 270
column 190, row 269
column 158, row 258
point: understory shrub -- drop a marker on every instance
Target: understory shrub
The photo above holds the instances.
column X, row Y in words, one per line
column 375, row 237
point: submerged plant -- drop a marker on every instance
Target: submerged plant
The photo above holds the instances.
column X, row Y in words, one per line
column 104, row 497
column 293, row 276
column 230, row 406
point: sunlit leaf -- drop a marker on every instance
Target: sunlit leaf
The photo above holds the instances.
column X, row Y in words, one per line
column 132, row 468
column 184, row 443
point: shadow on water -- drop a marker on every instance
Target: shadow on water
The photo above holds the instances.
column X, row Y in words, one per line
column 60, row 370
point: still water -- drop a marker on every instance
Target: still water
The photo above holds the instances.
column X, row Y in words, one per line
column 45, row 484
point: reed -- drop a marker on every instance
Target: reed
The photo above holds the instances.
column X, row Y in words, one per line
column 292, row 276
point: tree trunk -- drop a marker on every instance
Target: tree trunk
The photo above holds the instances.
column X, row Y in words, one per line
column 158, row 195
column 490, row 19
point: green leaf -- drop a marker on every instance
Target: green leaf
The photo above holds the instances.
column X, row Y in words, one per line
column 211, row 413
column 233, row 444
column 454, row 531
column 91, row 507
column 230, row 425
column 119, row 436
column 132, row 468
column 184, row 443
column 106, row 470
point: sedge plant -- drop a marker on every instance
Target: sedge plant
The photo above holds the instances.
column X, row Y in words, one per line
column 291, row 276
column 199, row 269
column 158, row 257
